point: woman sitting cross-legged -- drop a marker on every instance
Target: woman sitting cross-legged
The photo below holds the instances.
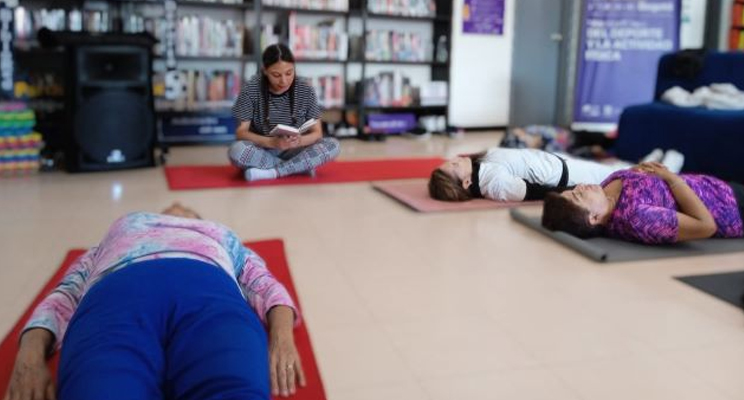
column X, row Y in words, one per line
column 276, row 96
column 167, row 306
column 649, row 204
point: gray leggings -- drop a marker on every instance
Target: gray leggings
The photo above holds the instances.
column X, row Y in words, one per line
column 244, row 154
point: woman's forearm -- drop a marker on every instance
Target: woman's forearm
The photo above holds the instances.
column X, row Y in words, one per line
column 244, row 133
column 37, row 343
column 280, row 320
column 316, row 133
column 689, row 202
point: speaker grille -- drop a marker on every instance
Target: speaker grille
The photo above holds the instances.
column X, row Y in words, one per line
column 113, row 126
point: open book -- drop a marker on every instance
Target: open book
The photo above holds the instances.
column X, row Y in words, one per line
column 286, row 130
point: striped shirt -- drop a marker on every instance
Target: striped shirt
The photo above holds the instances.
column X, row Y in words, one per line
column 144, row 236
column 250, row 106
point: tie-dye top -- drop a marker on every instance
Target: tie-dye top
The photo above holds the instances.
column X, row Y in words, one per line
column 145, row 236
column 646, row 210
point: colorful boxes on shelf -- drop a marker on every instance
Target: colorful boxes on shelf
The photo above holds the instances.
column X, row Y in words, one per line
column 19, row 144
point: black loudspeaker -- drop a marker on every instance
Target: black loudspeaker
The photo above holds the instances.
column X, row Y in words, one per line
column 110, row 116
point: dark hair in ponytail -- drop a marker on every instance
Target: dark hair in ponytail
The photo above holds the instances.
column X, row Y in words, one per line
column 272, row 55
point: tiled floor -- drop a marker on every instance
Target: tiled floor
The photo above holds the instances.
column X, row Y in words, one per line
column 420, row 307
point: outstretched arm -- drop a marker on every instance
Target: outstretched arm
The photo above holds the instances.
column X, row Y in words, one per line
column 272, row 303
column 31, row 379
column 44, row 331
column 284, row 360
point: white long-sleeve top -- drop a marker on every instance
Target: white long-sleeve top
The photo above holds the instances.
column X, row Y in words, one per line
column 503, row 172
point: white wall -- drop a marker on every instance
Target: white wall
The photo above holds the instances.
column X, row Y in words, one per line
column 692, row 27
column 480, row 73
column 723, row 32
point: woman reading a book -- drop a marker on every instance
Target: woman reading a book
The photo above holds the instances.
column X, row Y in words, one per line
column 167, row 306
column 279, row 133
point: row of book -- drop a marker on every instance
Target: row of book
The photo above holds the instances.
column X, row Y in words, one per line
column 205, row 36
column 388, row 89
column 330, row 5
column 736, row 39
column 736, row 34
column 394, row 89
column 409, row 8
column 198, row 89
column 19, row 144
column 329, row 89
column 326, row 40
column 397, row 46
column 737, row 14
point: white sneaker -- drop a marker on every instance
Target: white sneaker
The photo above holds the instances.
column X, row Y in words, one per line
column 655, row 156
column 673, row 160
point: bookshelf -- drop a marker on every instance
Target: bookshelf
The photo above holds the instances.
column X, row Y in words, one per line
column 736, row 31
column 265, row 21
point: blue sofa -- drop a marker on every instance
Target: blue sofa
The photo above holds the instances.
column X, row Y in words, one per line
column 711, row 140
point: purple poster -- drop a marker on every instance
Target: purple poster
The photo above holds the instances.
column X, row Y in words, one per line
column 621, row 43
column 483, row 16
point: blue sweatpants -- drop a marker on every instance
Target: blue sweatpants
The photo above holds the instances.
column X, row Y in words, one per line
column 164, row 329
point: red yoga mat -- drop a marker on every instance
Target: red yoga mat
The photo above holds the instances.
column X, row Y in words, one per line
column 272, row 251
column 189, row 177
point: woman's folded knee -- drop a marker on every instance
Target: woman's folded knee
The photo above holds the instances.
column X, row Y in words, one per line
column 332, row 146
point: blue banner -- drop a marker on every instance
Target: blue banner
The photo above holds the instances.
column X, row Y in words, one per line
column 621, row 43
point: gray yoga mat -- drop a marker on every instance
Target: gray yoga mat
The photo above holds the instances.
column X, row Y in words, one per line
column 726, row 286
column 612, row 250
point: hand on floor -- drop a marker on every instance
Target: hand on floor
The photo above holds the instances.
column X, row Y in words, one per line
column 31, row 380
column 285, row 365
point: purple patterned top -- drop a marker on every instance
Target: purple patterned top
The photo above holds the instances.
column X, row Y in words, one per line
column 646, row 211
column 144, row 236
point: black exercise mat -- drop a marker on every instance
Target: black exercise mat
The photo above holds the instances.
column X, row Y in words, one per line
column 726, row 286
column 613, row 250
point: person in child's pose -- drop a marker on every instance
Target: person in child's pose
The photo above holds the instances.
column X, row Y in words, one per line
column 505, row 174
column 167, row 306
column 649, row 204
column 277, row 96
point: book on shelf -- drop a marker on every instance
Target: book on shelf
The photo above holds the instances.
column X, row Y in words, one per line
column 737, row 14
column 205, row 36
column 326, row 40
column 385, row 45
column 199, row 89
column 328, row 5
column 407, row 8
column 388, row 89
column 329, row 89
column 736, row 39
column 286, row 130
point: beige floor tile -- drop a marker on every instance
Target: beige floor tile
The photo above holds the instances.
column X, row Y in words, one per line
column 638, row 377
column 456, row 346
column 355, row 357
column 411, row 391
column 533, row 384
column 718, row 366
